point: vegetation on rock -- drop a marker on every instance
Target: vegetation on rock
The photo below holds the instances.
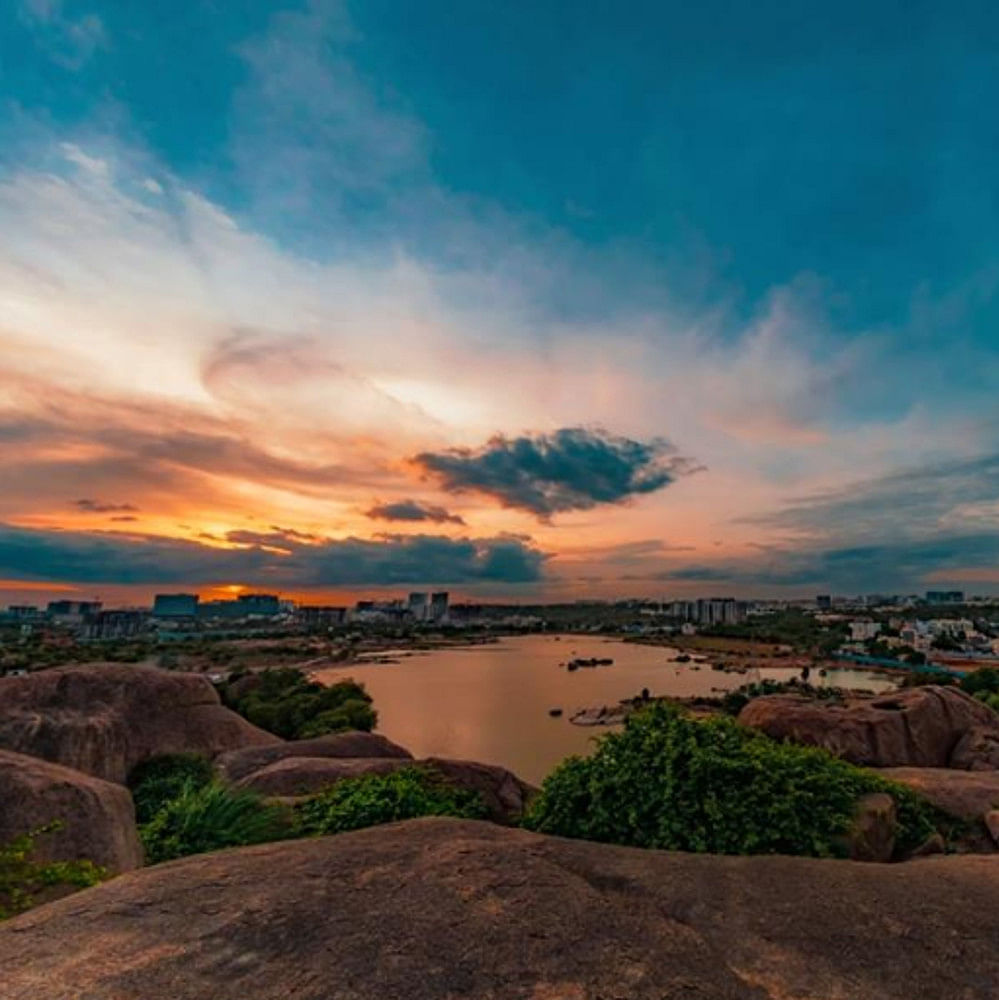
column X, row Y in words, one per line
column 983, row 685
column 371, row 799
column 208, row 818
column 674, row 782
column 285, row 702
column 23, row 879
column 156, row 781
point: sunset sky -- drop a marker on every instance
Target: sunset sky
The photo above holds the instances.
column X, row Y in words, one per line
column 525, row 300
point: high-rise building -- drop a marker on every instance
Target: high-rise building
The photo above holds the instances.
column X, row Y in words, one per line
column 175, row 605
column 945, row 597
column 439, row 606
column 72, row 612
column 419, row 606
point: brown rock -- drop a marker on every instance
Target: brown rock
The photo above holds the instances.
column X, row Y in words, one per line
column 504, row 794
column 992, row 824
column 297, row 776
column 921, row 727
column 238, row 764
column 964, row 794
column 105, row 719
column 435, row 909
column 97, row 817
column 977, row 750
column 872, row 834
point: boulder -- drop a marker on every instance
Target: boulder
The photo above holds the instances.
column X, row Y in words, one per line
column 977, row 750
column 238, row 764
column 992, row 824
column 97, row 818
column 504, row 794
column 967, row 795
column 438, row 908
column 919, row 727
column 294, row 777
column 105, row 719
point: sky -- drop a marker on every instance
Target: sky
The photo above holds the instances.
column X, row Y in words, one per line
column 531, row 301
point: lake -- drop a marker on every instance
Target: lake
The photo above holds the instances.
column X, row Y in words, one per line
column 490, row 703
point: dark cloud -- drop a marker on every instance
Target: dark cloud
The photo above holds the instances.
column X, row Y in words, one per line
column 574, row 468
column 103, row 507
column 412, row 510
column 125, row 517
column 105, row 557
column 894, row 566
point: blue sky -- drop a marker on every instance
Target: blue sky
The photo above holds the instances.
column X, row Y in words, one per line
column 789, row 208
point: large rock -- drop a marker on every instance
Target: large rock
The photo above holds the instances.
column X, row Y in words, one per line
column 97, row 818
column 294, row 777
column 238, row 764
column 104, row 720
column 504, row 795
column 919, row 727
column 965, row 794
column 435, row 909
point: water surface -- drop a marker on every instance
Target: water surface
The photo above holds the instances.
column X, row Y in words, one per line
column 491, row 703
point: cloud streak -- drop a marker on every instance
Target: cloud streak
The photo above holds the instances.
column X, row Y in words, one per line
column 412, row 510
column 574, row 468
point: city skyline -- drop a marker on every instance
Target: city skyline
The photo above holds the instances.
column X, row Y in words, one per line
column 360, row 300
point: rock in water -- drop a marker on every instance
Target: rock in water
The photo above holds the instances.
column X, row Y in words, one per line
column 435, row 909
column 97, row 817
column 103, row 720
column 919, row 727
column 238, row 764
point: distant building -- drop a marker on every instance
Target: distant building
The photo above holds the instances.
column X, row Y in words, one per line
column 862, row 631
column 709, row 611
column 72, row 612
column 114, row 624
column 419, row 606
column 175, row 605
column 23, row 612
column 320, row 615
column 945, row 597
column 823, row 602
column 265, row 605
column 439, row 606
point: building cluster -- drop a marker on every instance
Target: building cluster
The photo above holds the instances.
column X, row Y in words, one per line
column 419, row 607
column 708, row 611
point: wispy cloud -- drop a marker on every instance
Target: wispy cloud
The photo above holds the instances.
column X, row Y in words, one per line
column 68, row 41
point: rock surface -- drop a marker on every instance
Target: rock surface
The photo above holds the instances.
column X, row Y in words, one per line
column 872, row 835
column 504, row 794
column 919, row 727
column 238, row 764
column 98, row 820
column 965, row 794
column 105, row 719
column 436, row 909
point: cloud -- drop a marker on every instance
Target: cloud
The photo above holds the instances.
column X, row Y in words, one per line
column 113, row 558
column 102, row 507
column 574, row 468
column 68, row 41
column 412, row 510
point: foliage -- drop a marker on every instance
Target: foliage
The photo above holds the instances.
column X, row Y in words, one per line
column 984, row 685
column 793, row 627
column 22, row 879
column 371, row 799
column 671, row 781
column 208, row 818
column 156, row 781
column 940, row 678
column 733, row 702
column 285, row 702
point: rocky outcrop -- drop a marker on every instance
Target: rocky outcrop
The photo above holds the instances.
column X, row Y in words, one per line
column 435, row 909
column 105, row 719
column 872, row 833
column 504, row 795
column 97, row 818
column 964, row 794
column 239, row 764
column 294, row 777
column 919, row 727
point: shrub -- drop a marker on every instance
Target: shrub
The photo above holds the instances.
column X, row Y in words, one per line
column 371, row 799
column 210, row 817
column 285, row 702
column 733, row 702
column 674, row 782
column 156, row 781
column 22, row 879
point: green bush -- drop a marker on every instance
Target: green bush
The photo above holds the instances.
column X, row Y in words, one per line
column 674, row 782
column 733, row 702
column 22, row 878
column 156, row 781
column 285, row 702
column 208, row 818
column 384, row 798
